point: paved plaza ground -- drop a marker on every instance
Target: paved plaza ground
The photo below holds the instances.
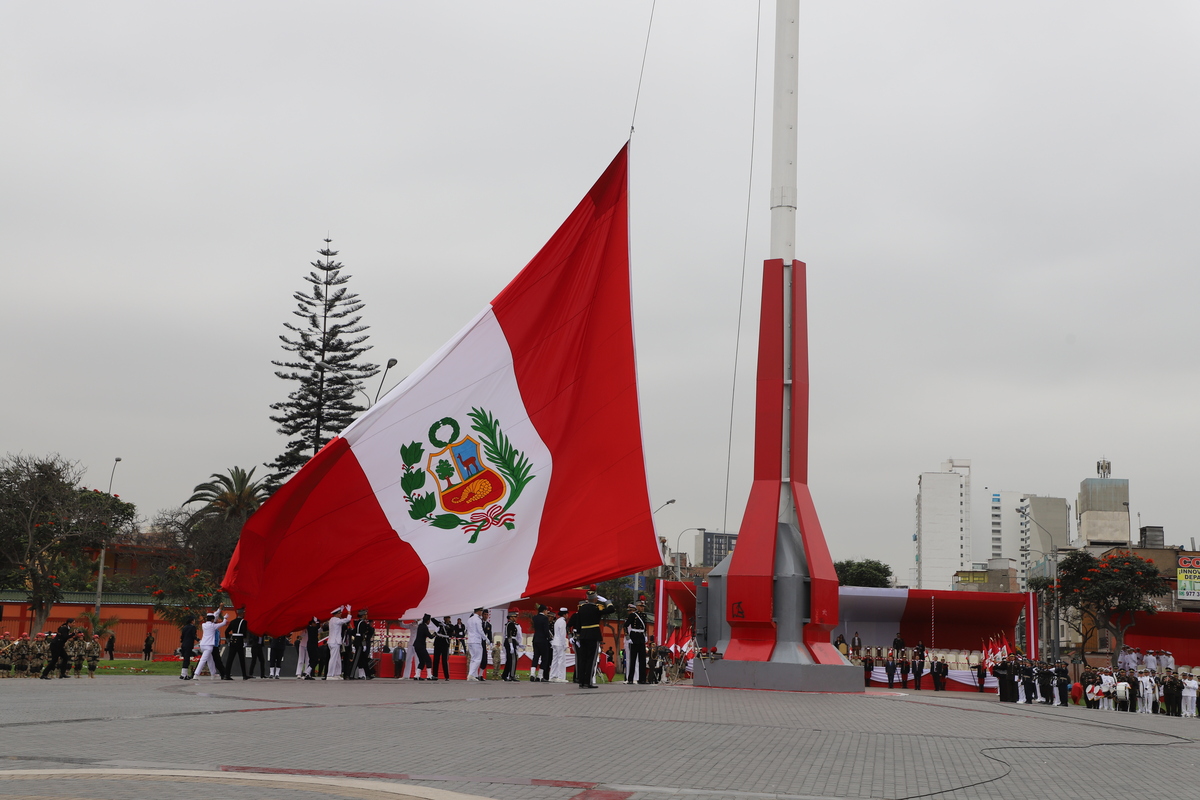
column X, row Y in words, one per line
column 151, row 737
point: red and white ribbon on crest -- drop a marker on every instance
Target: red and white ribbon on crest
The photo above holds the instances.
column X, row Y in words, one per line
column 493, row 517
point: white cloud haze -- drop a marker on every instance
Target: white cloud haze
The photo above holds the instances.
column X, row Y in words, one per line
column 998, row 209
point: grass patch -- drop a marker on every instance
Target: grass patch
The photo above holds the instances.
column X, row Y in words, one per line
column 129, row 666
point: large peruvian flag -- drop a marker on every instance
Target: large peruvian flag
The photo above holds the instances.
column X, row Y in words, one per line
column 509, row 464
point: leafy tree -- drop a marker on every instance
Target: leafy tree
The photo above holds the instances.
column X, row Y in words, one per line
column 196, row 541
column 179, row 593
column 233, row 496
column 445, row 471
column 867, row 572
column 1106, row 592
column 47, row 521
column 203, row 541
column 326, row 367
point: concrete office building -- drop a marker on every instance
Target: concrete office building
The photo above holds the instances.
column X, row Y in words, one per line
column 943, row 519
column 1050, row 524
column 1102, row 510
column 713, row 546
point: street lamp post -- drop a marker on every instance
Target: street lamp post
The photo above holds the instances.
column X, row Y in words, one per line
column 1053, row 555
column 100, row 572
column 636, row 577
column 678, row 555
column 391, row 362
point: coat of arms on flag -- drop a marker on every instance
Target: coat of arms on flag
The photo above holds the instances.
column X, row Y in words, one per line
column 464, row 481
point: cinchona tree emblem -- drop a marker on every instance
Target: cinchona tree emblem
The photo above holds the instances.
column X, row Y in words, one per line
column 470, row 476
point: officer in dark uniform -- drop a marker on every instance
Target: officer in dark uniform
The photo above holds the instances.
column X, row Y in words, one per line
column 364, row 635
column 58, row 652
column 235, row 637
column 889, row 666
column 586, row 622
column 313, row 645
column 1045, row 679
column 1003, row 670
column 512, row 637
column 187, row 645
column 868, row 664
column 258, row 653
column 904, row 669
column 542, row 657
column 635, row 628
column 1027, row 675
column 485, row 622
column 441, row 648
column 1172, row 694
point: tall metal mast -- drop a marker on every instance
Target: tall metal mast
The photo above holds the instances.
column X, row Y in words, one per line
column 784, row 147
column 778, row 591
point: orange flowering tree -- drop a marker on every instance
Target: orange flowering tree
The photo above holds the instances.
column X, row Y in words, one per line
column 180, row 592
column 1107, row 591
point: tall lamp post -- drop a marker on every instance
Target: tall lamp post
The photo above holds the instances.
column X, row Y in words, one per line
column 100, row 572
column 391, row 362
column 1053, row 554
column 637, row 576
column 678, row 555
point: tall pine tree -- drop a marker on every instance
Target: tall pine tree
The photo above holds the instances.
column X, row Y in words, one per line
column 326, row 368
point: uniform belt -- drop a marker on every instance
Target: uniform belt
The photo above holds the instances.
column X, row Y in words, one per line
column 589, row 626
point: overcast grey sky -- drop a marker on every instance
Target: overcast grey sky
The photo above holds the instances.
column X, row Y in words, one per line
column 998, row 208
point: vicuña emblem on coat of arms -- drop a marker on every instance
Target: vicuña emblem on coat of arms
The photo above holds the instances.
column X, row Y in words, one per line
column 470, row 475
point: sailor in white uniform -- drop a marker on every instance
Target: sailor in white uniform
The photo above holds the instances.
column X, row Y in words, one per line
column 337, row 627
column 209, row 637
column 411, row 667
column 1146, row 691
column 1190, row 685
column 302, row 654
column 558, row 648
column 474, row 644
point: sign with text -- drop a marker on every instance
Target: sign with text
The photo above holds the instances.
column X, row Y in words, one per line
column 1187, row 574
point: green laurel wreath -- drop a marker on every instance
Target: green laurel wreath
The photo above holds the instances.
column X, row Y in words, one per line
column 510, row 462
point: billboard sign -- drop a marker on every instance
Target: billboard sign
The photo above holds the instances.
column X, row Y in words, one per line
column 1187, row 576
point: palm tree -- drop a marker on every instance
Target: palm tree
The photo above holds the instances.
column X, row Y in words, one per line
column 231, row 496
column 101, row 628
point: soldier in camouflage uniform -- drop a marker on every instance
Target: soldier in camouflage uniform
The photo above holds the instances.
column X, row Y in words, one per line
column 21, row 656
column 37, row 655
column 92, row 650
column 7, row 645
column 75, row 648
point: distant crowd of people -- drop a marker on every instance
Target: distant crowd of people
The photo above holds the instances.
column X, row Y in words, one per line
column 343, row 649
column 899, row 662
column 66, row 650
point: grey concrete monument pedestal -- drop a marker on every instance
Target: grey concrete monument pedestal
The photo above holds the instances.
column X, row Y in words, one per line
column 723, row 674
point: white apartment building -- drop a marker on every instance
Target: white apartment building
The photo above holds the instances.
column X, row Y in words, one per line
column 1027, row 529
column 943, row 537
column 1009, row 521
